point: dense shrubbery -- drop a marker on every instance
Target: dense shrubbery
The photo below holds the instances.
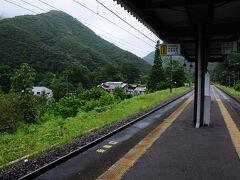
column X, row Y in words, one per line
column 68, row 106
column 237, row 87
column 89, row 100
column 92, row 94
column 17, row 110
column 10, row 112
column 119, row 93
column 21, row 107
column 162, row 85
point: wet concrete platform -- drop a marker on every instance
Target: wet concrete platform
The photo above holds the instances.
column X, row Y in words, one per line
column 184, row 152
column 92, row 163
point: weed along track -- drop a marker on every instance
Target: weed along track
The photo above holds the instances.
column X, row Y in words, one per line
column 95, row 145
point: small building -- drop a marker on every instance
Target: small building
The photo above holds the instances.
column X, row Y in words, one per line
column 38, row 91
column 128, row 88
column 110, row 86
column 131, row 88
column 139, row 91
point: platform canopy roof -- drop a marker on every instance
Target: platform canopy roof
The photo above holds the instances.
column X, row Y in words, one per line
column 176, row 21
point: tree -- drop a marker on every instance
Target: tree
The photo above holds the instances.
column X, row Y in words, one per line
column 228, row 72
column 157, row 77
column 178, row 74
column 23, row 79
column 1, row 91
column 47, row 79
column 5, row 74
column 58, row 86
column 144, row 79
column 119, row 93
column 77, row 74
column 130, row 72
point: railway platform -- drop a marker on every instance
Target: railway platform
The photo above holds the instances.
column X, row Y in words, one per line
column 183, row 152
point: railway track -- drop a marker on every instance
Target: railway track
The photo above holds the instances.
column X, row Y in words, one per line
column 48, row 166
column 229, row 94
column 232, row 104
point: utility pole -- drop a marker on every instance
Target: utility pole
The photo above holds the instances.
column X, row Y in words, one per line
column 229, row 79
column 170, row 74
column 233, row 78
column 67, row 85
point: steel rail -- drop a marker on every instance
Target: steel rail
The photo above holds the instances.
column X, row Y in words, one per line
column 229, row 94
column 64, row 158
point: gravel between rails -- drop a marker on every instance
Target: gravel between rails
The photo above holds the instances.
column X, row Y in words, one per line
column 24, row 168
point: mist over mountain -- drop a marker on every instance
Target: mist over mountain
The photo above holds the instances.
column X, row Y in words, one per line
column 150, row 58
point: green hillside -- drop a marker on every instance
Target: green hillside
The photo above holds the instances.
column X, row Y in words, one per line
column 51, row 41
column 18, row 46
column 150, row 57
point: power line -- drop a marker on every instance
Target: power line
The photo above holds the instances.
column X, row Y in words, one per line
column 125, row 21
column 49, row 5
column 33, row 5
column 21, row 6
column 124, row 44
column 84, row 7
column 94, row 13
column 83, row 21
column 112, row 39
column 111, row 22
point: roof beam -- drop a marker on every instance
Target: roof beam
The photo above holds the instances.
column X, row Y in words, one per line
column 177, row 3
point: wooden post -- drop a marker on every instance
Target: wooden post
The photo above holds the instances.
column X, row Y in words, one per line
column 61, row 130
column 171, row 74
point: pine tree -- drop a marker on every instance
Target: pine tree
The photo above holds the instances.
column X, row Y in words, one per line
column 23, row 79
column 157, row 78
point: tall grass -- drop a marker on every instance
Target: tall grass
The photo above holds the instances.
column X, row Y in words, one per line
column 46, row 136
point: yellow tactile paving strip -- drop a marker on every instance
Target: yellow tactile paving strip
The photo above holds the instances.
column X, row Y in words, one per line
column 117, row 170
column 232, row 127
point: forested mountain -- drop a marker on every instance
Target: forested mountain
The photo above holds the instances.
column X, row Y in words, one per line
column 52, row 41
column 150, row 57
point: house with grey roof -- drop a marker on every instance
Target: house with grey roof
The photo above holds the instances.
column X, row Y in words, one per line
column 110, row 86
column 139, row 91
column 128, row 88
column 38, row 91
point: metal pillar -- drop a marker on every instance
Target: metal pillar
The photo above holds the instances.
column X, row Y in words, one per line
column 195, row 92
column 207, row 100
column 199, row 79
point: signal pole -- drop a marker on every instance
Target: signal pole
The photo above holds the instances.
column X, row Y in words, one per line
column 67, row 85
column 170, row 74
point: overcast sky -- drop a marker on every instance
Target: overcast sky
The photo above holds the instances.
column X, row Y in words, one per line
column 132, row 40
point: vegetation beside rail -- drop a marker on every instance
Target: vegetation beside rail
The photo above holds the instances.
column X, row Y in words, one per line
column 45, row 136
column 233, row 90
